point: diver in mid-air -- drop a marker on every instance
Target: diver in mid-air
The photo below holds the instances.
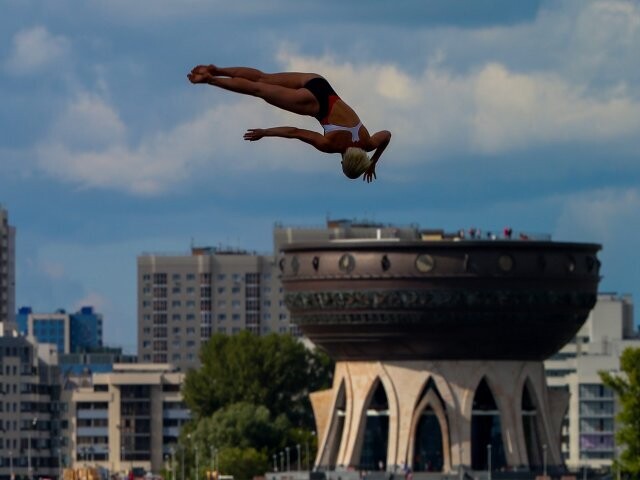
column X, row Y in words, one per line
column 304, row 94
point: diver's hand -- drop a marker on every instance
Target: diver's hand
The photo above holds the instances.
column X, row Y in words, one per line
column 201, row 74
column 370, row 174
column 254, row 134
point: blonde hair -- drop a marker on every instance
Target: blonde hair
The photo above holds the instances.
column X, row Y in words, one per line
column 355, row 162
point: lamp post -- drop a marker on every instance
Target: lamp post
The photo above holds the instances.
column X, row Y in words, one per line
column 122, row 458
column 282, row 461
column 544, row 461
column 59, row 463
column 288, row 464
column 489, row 461
column 298, row 448
column 182, row 450
column 275, row 462
column 173, row 463
column 213, row 459
column 196, row 474
column 34, row 423
column 11, row 465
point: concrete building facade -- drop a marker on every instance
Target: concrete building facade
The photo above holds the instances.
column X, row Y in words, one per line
column 184, row 299
column 7, row 270
column 123, row 420
column 29, row 409
column 588, row 435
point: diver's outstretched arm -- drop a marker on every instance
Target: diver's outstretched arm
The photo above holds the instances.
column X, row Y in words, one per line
column 307, row 136
column 379, row 141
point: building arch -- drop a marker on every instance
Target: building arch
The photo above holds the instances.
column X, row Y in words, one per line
column 372, row 451
column 531, row 425
column 486, row 429
column 429, row 438
column 334, row 435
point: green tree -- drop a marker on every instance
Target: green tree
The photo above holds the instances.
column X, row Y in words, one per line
column 243, row 425
column 627, row 387
column 276, row 371
column 243, row 463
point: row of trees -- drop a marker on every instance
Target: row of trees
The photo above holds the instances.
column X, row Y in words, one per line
column 250, row 401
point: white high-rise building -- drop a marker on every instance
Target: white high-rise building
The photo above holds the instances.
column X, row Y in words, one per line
column 7, row 271
column 588, row 437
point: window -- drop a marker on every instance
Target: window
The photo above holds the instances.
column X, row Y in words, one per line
column 175, row 290
column 221, row 289
column 146, row 277
column 175, row 277
column 191, row 304
column 235, row 290
column 221, row 276
column 176, row 330
column 222, row 316
column 191, row 343
column 191, row 276
column 191, row 291
column 235, row 304
column 146, row 344
column 176, row 317
column 190, row 317
column 222, row 303
column 191, row 331
column 235, row 317
column 160, row 278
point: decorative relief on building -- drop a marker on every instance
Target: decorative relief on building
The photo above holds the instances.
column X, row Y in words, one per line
column 435, row 299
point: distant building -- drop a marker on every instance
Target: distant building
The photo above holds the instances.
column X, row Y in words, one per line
column 99, row 360
column 128, row 418
column 589, row 429
column 184, row 299
column 7, row 270
column 29, row 409
column 70, row 332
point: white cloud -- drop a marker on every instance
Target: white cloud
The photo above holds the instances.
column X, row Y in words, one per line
column 53, row 270
column 91, row 299
column 34, row 49
column 603, row 215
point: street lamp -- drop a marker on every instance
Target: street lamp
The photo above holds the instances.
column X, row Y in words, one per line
column 282, row 461
column 298, row 448
column 544, row 461
column 275, row 462
column 288, row 464
column 11, row 465
column 123, row 458
column 173, row 463
column 59, row 463
column 489, row 461
column 34, row 423
column 196, row 475
column 182, row 449
column 213, row 459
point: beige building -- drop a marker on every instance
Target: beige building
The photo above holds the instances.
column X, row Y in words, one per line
column 184, row 299
column 588, row 436
column 7, row 270
column 128, row 418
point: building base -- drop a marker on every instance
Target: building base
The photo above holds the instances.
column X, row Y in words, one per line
column 439, row 416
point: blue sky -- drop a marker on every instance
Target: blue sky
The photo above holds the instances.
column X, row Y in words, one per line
column 524, row 114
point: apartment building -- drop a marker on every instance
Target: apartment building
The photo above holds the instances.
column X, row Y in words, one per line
column 29, row 409
column 184, row 299
column 7, row 270
column 589, row 429
column 126, row 419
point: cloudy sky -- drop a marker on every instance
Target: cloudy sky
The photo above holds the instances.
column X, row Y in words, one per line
column 524, row 114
